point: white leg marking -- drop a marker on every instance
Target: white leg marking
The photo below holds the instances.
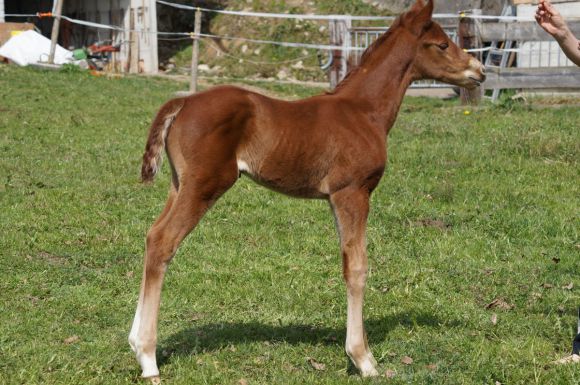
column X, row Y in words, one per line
column 355, row 336
column 243, row 166
column 149, row 365
column 135, row 328
column 148, row 362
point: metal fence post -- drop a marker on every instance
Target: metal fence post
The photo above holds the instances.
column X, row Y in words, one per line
column 195, row 52
column 346, row 45
column 339, row 36
column 336, row 54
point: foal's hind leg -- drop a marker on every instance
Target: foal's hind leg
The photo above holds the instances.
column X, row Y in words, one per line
column 351, row 211
column 183, row 211
column 137, row 320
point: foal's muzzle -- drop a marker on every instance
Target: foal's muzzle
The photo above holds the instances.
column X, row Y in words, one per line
column 475, row 74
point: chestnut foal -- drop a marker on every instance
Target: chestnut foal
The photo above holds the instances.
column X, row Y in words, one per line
column 327, row 147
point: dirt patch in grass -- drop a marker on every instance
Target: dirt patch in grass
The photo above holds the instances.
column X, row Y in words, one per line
column 51, row 259
column 434, row 223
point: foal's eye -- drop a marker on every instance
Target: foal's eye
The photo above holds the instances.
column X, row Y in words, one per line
column 443, row 46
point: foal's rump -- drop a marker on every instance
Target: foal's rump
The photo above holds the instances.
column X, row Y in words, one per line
column 208, row 124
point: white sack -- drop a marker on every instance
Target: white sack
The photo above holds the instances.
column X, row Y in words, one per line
column 31, row 47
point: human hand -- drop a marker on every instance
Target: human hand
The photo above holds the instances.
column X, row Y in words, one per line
column 550, row 19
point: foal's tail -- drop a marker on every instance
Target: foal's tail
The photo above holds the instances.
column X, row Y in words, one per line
column 156, row 141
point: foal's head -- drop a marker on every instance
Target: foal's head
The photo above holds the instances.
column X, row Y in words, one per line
column 437, row 56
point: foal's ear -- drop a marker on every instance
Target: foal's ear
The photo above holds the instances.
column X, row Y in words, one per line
column 422, row 19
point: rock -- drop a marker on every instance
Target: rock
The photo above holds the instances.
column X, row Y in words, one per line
column 298, row 65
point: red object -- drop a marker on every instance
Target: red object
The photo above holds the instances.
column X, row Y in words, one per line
column 95, row 49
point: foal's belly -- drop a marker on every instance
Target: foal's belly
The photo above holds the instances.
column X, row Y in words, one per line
column 298, row 182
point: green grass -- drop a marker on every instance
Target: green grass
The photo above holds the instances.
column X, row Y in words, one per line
column 471, row 208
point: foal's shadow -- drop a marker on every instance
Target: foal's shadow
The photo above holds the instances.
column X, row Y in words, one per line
column 216, row 336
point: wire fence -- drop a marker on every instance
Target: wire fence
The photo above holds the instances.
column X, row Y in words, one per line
column 167, row 35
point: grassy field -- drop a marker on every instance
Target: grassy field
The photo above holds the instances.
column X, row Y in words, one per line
column 473, row 242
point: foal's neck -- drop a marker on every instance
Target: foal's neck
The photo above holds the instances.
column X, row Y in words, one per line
column 383, row 77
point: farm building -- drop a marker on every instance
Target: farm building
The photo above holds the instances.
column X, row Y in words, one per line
column 138, row 51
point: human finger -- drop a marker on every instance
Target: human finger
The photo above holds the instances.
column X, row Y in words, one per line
column 550, row 8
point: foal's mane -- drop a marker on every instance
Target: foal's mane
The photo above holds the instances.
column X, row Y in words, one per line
column 364, row 57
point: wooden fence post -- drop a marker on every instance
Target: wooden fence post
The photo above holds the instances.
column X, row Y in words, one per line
column 134, row 42
column 195, row 52
column 469, row 38
column 55, row 30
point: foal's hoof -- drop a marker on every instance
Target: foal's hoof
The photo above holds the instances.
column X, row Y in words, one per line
column 155, row 380
column 371, row 373
column 368, row 371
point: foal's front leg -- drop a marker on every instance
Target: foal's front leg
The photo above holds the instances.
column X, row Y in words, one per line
column 351, row 209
